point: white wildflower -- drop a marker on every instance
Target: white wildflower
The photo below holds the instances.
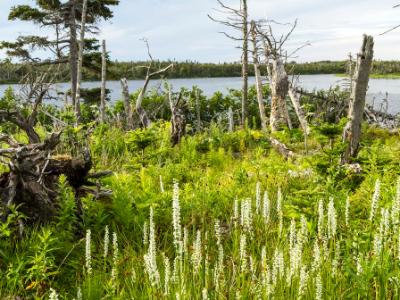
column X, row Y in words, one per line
column 145, row 234
column 167, row 274
column 266, row 207
column 359, row 266
column 150, row 256
column 318, row 287
column 303, row 281
column 332, row 223
column 176, row 218
column 347, row 211
column 88, row 254
column 196, row 256
column 106, row 241
column 396, row 206
column 317, row 257
column 246, row 216
column 53, row 294
column 204, row 294
column 243, row 253
column 320, row 218
column 375, row 199
column 115, row 260
column 258, row 197
column 79, row 294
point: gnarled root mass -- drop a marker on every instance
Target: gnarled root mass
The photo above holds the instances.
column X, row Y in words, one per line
column 31, row 184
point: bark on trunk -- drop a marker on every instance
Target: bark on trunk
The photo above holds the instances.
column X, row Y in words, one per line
column 259, row 86
column 352, row 131
column 295, row 98
column 80, row 63
column 103, row 82
column 73, row 54
column 144, row 119
column 127, row 104
column 178, row 118
column 279, row 90
column 245, row 64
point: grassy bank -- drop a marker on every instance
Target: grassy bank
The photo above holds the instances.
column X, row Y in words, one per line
column 220, row 216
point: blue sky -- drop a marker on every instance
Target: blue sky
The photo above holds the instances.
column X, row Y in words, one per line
column 180, row 29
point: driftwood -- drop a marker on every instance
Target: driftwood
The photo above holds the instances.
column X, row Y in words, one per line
column 352, row 131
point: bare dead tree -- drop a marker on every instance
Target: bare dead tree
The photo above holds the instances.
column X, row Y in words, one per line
column 144, row 119
column 103, row 82
column 295, row 96
column 274, row 55
column 237, row 19
column 352, row 131
column 81, row 46
column 259, row 85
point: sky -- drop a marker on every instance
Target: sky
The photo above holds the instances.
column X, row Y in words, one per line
column 180, row 29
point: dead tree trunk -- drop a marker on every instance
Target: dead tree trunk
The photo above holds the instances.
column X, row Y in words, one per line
column 178, row 118
column 80, row 63
column 103, row 82
column 231, row 124
column 127, row 104
column 352, row 131
column 245, row 63
column 73, row 56
column 295, row 98
column 279, row 90
column 259, row 86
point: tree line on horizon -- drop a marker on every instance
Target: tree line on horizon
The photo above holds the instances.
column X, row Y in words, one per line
column 13, row 72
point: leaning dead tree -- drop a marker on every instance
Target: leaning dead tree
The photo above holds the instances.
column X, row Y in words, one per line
column 31, row 182
column 352, row 131
column 237, row 19
column 257, row 72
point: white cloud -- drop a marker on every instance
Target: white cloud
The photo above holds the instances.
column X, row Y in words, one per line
column 180, row 29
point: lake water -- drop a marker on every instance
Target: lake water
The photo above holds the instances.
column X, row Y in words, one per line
column 377, row 87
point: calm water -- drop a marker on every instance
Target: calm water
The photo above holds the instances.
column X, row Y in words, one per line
column 376, row 92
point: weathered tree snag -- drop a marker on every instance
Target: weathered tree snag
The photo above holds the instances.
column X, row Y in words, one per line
column 259, row 86
column 144, row 119
column 352, row 131
column 279, row 90
column 295, row 98
column 178, row 118
column 245, row 62
column 127, row 104
column 80, row 63
column 238, row 20
column 103, row 82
